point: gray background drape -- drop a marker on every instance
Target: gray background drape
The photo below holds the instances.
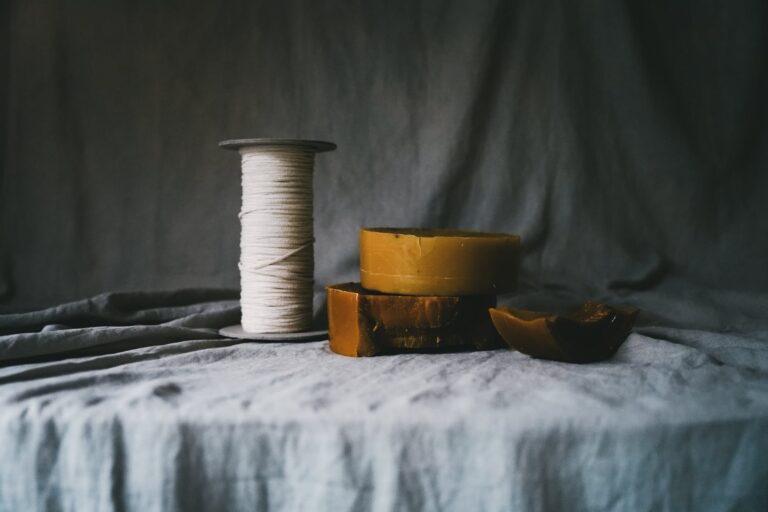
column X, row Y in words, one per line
column 625, row 141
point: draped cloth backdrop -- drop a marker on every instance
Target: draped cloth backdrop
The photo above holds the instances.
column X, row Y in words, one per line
column 625, row 141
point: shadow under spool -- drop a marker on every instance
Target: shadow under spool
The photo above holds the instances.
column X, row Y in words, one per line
column 316, row 146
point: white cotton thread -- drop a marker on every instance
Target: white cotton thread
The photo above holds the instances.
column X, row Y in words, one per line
column 276, row 239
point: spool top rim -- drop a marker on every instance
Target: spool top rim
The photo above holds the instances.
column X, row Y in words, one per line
column 318, row 146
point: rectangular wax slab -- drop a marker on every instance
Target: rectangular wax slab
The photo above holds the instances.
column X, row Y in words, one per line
column 367, row 323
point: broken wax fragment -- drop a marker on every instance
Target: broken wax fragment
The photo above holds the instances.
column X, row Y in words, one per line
column 592, row 333
column 438, row 261
column 368, row 323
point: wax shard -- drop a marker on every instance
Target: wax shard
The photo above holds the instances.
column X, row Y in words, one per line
column 438, row 262
column 367, row 323
column 592, row 333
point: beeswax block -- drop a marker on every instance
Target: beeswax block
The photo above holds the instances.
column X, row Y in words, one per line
column 438, row 262
column 368, row 323
column 592, row 333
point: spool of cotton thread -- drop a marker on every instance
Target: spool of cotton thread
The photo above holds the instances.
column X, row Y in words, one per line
column 276, row 237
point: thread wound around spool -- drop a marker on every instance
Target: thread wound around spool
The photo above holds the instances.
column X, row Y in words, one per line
column 290, row 324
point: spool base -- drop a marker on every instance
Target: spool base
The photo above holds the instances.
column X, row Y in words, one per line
column 237, row 331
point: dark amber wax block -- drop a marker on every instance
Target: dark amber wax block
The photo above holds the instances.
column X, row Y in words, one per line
column 368, row 323
column 592, row 333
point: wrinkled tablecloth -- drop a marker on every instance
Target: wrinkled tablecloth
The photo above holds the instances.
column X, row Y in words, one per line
column 132, row 402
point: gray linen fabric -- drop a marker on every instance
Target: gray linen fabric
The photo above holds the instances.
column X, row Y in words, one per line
column 158, row 413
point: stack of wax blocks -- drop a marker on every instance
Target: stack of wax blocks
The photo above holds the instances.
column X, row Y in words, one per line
column 422, row 290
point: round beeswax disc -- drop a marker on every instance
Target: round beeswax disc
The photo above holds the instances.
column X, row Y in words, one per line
column 438, row 261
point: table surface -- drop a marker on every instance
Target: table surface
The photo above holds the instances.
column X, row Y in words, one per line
column 180, row 419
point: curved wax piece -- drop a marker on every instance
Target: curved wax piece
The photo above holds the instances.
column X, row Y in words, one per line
column 438, row 261
column 366, row 323
column 593, row 333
